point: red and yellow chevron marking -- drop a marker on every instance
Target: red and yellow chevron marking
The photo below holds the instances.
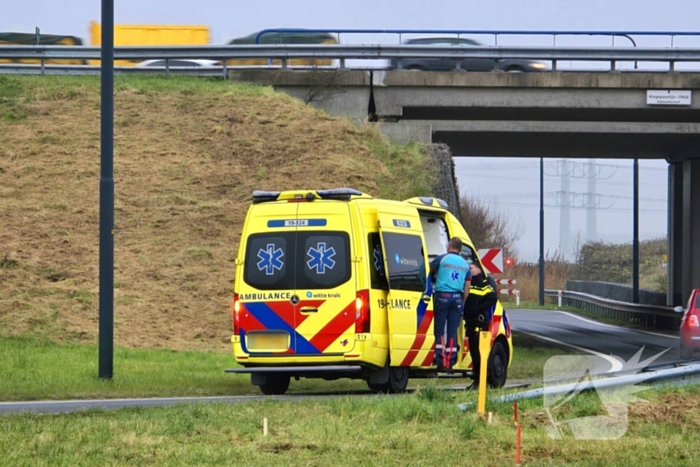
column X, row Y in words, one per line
column 495, row 328
column 417, row 346
column 335, row 328
column 310, row 333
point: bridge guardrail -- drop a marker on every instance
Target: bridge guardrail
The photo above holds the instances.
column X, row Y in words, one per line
column 342, row 52
column 485, row 32
column 650, row 316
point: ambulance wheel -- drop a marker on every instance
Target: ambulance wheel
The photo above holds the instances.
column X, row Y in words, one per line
column 377, row 387
column 498, row 366
column 275, row 384
column 398, row 379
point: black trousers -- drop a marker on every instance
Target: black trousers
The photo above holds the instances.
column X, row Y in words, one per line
column 472, row 331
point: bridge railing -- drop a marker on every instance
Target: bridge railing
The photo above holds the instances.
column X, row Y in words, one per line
column 650, row 316
column 342, row 52
column 505, row 37
column 550, row 36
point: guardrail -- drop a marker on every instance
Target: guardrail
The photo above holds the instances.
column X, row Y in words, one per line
column 635, row 314
column 342, row 52
column 483, row 32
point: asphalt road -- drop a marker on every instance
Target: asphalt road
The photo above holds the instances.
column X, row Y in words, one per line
column 611, row 346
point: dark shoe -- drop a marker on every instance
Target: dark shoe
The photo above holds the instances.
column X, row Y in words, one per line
column 442, row 369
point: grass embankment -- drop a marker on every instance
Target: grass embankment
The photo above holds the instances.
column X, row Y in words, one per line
column 424, row 428
column 34, row 370
column 188, row 154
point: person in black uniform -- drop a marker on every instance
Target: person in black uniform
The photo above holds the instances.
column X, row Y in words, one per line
column 482, row 297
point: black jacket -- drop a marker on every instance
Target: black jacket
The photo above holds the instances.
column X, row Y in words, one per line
column 481, row 297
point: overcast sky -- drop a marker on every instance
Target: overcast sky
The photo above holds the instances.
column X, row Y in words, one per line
column 231, row 18
column 510, row 183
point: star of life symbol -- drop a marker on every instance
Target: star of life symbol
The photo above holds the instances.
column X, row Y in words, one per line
column 614, row 400
column 270, row 259
column 454, row 275
column 378, row 260
column 321, row 258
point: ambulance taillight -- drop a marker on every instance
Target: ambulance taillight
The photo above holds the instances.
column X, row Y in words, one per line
column 236, row 308
column 362, row 312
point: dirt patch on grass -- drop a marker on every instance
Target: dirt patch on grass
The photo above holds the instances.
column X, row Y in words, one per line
column 671, row 408
column 188, row 154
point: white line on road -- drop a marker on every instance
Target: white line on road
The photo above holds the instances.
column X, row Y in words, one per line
column 615, row 363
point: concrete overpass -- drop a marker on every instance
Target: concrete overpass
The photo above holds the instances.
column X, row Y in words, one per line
column 563, row 115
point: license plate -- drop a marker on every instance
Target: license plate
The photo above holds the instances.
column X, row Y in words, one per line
column 268, row 341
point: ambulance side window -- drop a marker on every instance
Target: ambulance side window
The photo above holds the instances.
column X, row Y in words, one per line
column 376, row 263
column 266, row 260
column 467, row 253
column 406, row 261
column 323, row 259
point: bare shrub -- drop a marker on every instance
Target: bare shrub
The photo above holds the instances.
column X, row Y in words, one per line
column 488, row 227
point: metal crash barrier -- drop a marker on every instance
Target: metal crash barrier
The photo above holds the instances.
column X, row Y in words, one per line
column 651, row 316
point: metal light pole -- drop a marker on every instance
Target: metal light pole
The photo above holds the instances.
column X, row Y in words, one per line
column 106, row 339
column 635, row 232
column 541, row 231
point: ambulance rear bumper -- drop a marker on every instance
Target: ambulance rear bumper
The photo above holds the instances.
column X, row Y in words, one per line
column 299, row 370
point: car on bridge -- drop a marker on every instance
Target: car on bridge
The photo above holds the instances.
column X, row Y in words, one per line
column 177, row 63
column 469, row 64
column 690, row 325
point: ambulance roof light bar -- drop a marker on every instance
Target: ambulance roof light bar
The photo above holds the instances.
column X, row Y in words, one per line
column 428, row 201
column 263, row 196
column 339, row 193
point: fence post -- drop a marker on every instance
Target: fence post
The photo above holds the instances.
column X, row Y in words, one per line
column 559, row 294
column 38, row 42
column 517, row 298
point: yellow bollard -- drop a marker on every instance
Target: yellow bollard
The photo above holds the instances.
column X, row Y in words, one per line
column 484, row 350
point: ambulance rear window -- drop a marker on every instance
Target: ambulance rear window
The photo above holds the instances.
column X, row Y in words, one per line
column 297, row 260
column 267, row 259
column 323, row 259
column 405, row 260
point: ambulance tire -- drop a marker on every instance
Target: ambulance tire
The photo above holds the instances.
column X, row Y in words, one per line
column 398, row 380
column 275, row 384
column 498, row 366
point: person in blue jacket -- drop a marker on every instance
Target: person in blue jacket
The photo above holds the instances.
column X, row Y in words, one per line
column 452, row 277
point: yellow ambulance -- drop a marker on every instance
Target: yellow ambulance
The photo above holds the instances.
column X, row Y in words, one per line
column 332, row 284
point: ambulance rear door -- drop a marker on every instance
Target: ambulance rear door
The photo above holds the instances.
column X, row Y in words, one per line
column 324, row 277
column 410, row 315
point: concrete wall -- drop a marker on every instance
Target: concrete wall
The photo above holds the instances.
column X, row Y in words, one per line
column 446, row 187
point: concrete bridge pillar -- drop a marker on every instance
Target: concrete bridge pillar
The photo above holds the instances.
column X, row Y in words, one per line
column 675, row 234
column 691, row 227
column 683, row 230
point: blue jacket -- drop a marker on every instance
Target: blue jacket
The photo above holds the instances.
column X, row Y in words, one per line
column 451, row 271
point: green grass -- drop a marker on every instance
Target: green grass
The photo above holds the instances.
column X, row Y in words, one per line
column 408, row 164
column 420, row 429
column 34, row 369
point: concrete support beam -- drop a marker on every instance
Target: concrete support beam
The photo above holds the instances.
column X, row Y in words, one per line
column 674, row 294
column 341, row 93
column 691, row 227
column 406, row 132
